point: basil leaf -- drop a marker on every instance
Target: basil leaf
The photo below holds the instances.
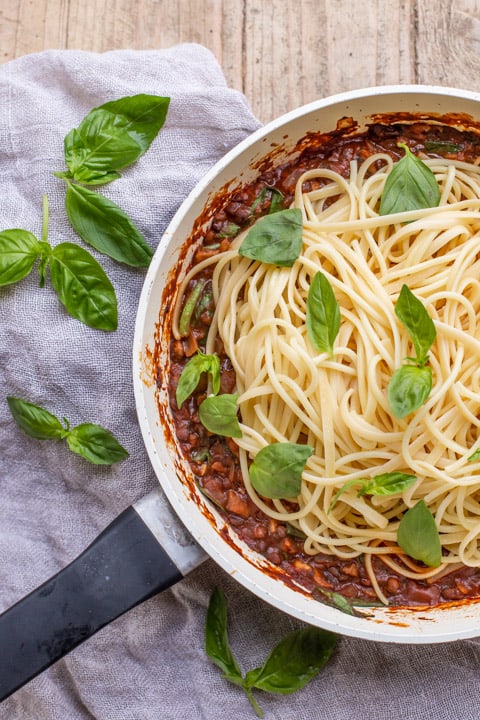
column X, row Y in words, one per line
column 277, row 202
column 35, row 420
column 411, row 311
column 19, row 250
column 474, row 456
column 323, row 314
column 275, row 239
column 218, row 413
column 189, row 307
column 83, row 287
column 276, row 471
column 387, row 484
column 105, row 226
column 408, row 389
column 192, row 372
column 410, row 185
column 442, row 147
column 418, row 535
column 113, row 136
column 217, row 645
column 296, row 660
column 95, row 444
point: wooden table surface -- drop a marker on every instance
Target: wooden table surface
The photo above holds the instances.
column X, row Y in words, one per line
column 280, row 53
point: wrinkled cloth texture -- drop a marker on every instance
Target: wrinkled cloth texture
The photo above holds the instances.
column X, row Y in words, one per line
column 149, row 664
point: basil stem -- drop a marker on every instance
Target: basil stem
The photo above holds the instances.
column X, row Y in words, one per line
column 275, row 239
column 418, row 535
column 276, row 471
column 323, row 314
column 293, row 662
column 192, row 372
column 218, row 414
column 102, row 224
column 92, row 442
column 410, row 185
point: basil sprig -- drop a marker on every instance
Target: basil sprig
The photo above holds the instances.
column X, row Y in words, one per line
column 410, row 185
column 108, row 139
column 384, row 484
column 81, row 283
column 91, row 441
column 292, row 664
column 275, row 239
column 276, row 471
column 411, row 384
column 193, row 371
column 323, row 314
column 418, row 535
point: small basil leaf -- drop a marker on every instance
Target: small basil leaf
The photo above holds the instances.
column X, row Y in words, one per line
column 418, row 535
column 411, row 311
column 410, row 185
column 95, row 444
column 296, row 660
column 217, row 645
column 408, row 389
column 323, row 314
column 106, row 227
column 83, row 287
column 442, row 147
column 387, row 484
column 192, row 372
column 474, row 456
column 275, row 239
column 19, row 250
column 35, row 420
column 277, row 469
column 189, row 307
column 218, row 413
column 113, row 136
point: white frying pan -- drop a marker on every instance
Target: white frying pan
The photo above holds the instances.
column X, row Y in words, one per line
column 147, row 549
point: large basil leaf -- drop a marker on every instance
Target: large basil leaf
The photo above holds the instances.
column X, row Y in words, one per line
column 113, row 136
column 192, row 372
column 35, row 420
column 411, row 311
column 296, row 660
column 95, row 444
column 218, row 413
column 323, row 314
column 83, row 287
column 275, row 239
column 276, row 471
column 19, row 250
column 409, row 388
column 410, row 185
column 106, row 227
column 418, row 536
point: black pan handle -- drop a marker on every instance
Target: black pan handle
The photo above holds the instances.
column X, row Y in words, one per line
column 122, row 567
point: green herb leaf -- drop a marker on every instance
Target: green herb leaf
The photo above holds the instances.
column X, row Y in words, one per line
column 408, row 389
column 296, row 660
column 218, row 413
column 189, row 307
column 418, row 535
column 35, row 420
column 411, row 311
column 323, row 314
column 217, row 645
column 192, row 372
column 19, row 250
column 83, row 287
column 113, row 136
column 106, row 227
column 95, row 444
column 474, row 456
column 442, row 147
column 276, row 471
column 277, row 202
column 275, row 239
column 410, row 185
column 388, row 483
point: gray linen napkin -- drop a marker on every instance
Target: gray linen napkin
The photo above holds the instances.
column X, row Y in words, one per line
column 149, row 664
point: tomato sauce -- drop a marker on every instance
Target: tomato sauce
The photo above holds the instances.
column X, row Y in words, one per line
column 214, row 459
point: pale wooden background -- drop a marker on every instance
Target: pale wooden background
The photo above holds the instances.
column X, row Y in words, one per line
column 280, row 53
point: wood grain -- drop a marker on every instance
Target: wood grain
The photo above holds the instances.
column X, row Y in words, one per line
column 280, row 53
